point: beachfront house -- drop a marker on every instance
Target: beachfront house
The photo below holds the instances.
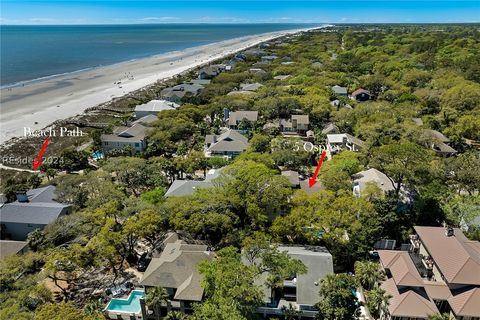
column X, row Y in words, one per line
column 210, row 72
column 176, row 93
column 133, row 138
column 229, row 144
column 187, row 187
column 300, row 291
column 268, row 59
column 32, row 210
column 176, row 270
column 440, row 273
column 154, row 107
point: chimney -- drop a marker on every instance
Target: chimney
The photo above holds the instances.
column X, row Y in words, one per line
column 449, row 232
column 344, row 141
column 214, row 138
column 21, row 196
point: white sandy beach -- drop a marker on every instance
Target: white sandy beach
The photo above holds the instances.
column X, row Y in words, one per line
column 38, row 104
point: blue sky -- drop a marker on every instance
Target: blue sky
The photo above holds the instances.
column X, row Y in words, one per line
column 238, row 11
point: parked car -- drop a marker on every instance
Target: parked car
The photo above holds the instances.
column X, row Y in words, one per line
column 143, row 262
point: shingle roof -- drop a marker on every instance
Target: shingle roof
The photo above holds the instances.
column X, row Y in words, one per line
column 239, row 115
column 230, row 140
column 403, row 271
column 146, row 120
column 466, row 304
column 457, row 257
column 177, row 268
column 301, row 118
column 339, row 90
column 188, row 187
column 41, row 208
column 136, row 132
column 373, row 175
column 250, row 86
column 434, row 134
column 292, row 177
column 359, row 91
column 407, row 304
column 157, row 106
column 437, row 290
column 10, row 247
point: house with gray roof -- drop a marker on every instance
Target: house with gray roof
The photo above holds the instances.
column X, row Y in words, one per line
column 363, row 178
column 176, row 270
column 268, row 59
column 154, row 107
column 188, row 187
column 438, row 142
column 301, row 291
column 146, row 121
column 298, row 124
column 211, row 71
column 339, row 91
column 12, row 247
column 236, row 117
column 293, row 177
column 122, row 137
column 229, row 144
column 250, row 86
column 32, row 210
column 176, row 93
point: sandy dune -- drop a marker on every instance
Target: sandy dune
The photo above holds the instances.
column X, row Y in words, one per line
column 38, row 104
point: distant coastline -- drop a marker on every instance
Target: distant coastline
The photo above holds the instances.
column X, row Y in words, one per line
column 41, row 103
column 35, row 53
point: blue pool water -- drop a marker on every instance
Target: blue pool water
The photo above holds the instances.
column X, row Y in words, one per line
column 129, row 305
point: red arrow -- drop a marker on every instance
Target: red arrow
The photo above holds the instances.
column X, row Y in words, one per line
column 38, row 162
column 313, row 180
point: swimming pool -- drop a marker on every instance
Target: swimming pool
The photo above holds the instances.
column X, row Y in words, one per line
column 129, row 305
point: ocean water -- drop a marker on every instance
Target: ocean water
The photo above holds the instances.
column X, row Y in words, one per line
column 33, row 52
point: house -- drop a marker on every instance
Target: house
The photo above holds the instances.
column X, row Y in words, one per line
column 229, row 144
column 257, row 71
column 439, row 274
column 300, row 291
column 134, row 137
column 281, row 77
column 211, row 71
column 340, row 141
column 363, row 178
column 317, row 64
column 438, row 142
column 12, row 247
column 330, row 128
column 361, row 95
column 268, row 59
column 339, row 91
column 254, row 52
column 293, row 177
column 298, row 124
column 32, row 210
column 154, row 107
column 236, row 117
column 176, row 93
column 146, row 121
column 250, row 86
column 188, row 187
column 176, row 270
column 201, row 82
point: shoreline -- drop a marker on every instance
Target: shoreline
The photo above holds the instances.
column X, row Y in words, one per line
column 39, row 104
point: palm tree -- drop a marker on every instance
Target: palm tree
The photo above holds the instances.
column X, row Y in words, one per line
column 442, row 316
column 176, row 315
column 377, row 302
column 368, row 274
column 155, row 298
